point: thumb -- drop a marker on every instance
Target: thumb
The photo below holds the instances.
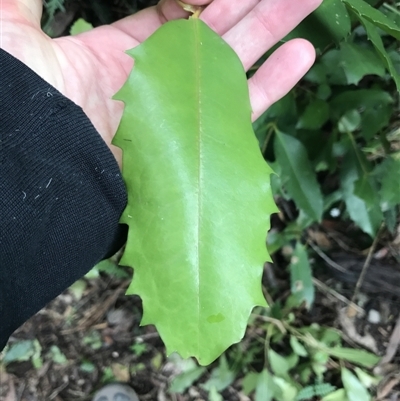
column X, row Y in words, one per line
column 22, row 10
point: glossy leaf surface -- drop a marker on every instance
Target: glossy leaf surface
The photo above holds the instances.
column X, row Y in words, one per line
column 199, row 197
column 300, row 180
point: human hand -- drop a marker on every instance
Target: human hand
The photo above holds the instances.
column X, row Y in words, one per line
column 91, row 67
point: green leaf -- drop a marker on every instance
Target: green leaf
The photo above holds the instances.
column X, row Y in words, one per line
column 301, row 276
column 199, row 197
column 373, row 105
column 278, row 363
column 366, row 379
column 184, row 380
column 221, row 377
column 357, row 62
column 350, row 121
column 355, row 391
column 266, row 388
column 20, row 351
column 297, row 173
column 316, row 390
column 374, row 37
column 331, row 63
column 57, row 356
column 298, row 347
column 329, row 23
column 214, row 395
column 80, row 26
column 388, row 175
column 357, row 356
column 249, row 382
column 77, row 289
column 288, row 391
column 374, row 16
column 315, row 115
column 361, row 200
column 338, row 395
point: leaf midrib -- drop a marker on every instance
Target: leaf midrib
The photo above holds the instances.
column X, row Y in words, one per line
column 199, row 166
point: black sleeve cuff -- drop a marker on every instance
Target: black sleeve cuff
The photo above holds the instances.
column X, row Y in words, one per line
column 61, row 195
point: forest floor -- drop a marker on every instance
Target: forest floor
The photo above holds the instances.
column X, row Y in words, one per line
column 90, row 335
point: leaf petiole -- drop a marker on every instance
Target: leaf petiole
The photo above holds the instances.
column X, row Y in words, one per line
column 195, row 10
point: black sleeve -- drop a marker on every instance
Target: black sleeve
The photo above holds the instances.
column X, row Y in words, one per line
column 61, row 195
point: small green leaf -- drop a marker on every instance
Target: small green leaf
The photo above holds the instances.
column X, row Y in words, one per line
column 355, row 391
column 374, row 16
column 278, row 363
column 184, row 380
column 338, row 395
column 80, row 26
column 329, row 23
column 300, row 180
column 324, row 91
column 357, row 62
column 214, row 395
column 77, row 289
column 19, row 352
column 356, row 356
column 315, row 115
column 301, row 276
column 57, row 356
column 374, row 37
column 221, row 377
column 350, row 121
column 373, row 105
column 316, row 390
column 362, row 201
column 288, row 391
column 388, row 175
column 249, row 382
column 266, row 388
column 87, row 367
column 366, row 379
column 298, row 347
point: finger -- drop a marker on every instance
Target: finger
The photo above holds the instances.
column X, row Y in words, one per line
column 279, row 74
column 222, row 15
column 140, row 25
column 265, row 25
column 28, row 10
column 170, row 9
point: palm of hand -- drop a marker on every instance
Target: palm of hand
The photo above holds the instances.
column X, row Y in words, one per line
column 90, row 68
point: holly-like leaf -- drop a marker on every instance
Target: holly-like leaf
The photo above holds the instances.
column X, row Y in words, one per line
column 372, row 19
column 315, row 115
column 298, row 176
column 371, row 14
column 362, row 200
column 199, row 197
column 355, row 390
column 373, row 105
column 329, row 23
column 358, row 62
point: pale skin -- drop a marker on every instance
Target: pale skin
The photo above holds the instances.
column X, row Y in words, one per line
column 90, row 68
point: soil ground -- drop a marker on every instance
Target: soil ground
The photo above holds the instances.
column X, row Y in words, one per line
column 96, row 329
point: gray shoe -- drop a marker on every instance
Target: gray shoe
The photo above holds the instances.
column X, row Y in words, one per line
column 116, row 392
